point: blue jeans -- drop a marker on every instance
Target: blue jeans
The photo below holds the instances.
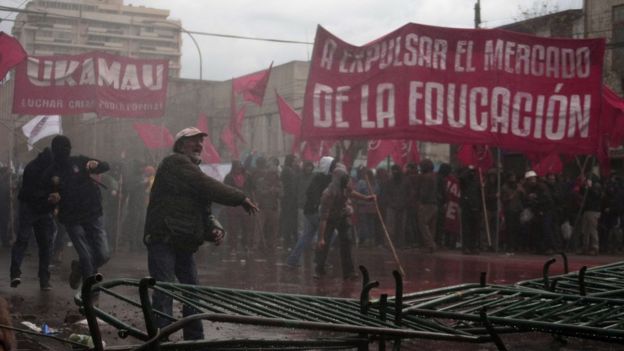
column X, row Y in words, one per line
column 44, row 228
column 165, row 264
column 91, row 243
column 310, row 229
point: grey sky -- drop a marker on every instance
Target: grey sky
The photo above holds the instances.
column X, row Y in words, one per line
column 355, row 21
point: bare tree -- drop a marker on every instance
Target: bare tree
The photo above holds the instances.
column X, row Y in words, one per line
column 536, row 9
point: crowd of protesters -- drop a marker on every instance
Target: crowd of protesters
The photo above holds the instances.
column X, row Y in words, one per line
column 508, row 212
column 495, row 210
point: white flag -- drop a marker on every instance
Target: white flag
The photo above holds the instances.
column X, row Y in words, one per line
column 41, row 127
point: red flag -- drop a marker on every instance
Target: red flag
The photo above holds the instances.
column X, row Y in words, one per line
column 478, row 156
column 612, row 117
column 402, row 152
column 310, row 152
column 236, row 118
column 378, row 150
column 604, row 163
column 296, row 146
column 153, row 136
column 228, row 139
column 209, row 153
column 11, row 53
column 545, row 164
column 405, row 151
column 326, row 147
column 252, row 86
column 314, row 149
column 290, row 120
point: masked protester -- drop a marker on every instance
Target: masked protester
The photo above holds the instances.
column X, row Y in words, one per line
column 35, row 216
column 79, row 199
column 335, row 214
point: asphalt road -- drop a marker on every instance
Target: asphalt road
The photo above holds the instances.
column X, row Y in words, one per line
column 254, row 271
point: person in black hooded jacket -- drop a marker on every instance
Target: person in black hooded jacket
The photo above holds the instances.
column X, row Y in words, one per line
column 70, row 183
column 35, row 215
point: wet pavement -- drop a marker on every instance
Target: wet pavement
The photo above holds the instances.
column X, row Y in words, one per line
column 254, row 271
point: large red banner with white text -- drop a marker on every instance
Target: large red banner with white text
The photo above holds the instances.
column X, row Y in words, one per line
column 457, row 86
column 97, row 82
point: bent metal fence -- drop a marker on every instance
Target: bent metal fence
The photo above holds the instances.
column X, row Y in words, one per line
column 529, row 310
column 601, row 281
column 344, row 323
column 469, row 313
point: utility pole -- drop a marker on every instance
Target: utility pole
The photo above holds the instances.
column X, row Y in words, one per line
column 477, row 14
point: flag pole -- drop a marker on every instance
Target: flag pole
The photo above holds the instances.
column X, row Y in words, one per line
column 383, row 225
column 498, row 199
column 12, row 168
column 485, row 215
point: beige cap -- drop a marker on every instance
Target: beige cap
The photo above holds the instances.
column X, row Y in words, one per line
column 189, row 132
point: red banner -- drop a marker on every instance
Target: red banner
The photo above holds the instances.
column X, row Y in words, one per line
column 97, row 82
column 447, row 85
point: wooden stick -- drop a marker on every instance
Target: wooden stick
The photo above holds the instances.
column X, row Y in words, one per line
column 485, row 214
column 120, row 199
column 383, row 225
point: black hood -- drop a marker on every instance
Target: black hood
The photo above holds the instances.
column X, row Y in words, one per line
column 44, row 158
column 61, row 148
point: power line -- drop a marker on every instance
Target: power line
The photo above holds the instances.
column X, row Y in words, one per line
column 221, row 35
column 20, row 5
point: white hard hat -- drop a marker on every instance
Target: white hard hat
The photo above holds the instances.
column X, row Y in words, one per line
column 530, row 174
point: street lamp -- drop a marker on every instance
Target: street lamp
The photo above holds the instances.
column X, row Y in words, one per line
column 179, row 26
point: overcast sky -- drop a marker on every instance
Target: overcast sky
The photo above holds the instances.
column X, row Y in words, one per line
column 355, row 21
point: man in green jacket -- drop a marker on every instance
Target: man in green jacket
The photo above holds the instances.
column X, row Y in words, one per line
column 179, row 220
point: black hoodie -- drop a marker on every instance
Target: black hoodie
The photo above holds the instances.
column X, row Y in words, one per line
column 81, row 200
column 33, row 190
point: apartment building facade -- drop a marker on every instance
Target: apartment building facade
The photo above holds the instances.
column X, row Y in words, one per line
column 69, row 27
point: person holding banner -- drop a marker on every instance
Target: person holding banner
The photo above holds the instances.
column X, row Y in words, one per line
column 512, row 194
column 442, row 191
column 393, row 195
column 538, row 200
column 427, row 205
column 470, row 204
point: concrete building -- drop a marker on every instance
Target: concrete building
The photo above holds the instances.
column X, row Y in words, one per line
column 69, row 27
column 605, row 19
column 564, row 24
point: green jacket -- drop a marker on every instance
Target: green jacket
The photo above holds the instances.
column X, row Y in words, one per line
column 180, row 200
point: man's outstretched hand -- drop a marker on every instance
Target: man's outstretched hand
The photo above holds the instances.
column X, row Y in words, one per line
column 249, row 206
